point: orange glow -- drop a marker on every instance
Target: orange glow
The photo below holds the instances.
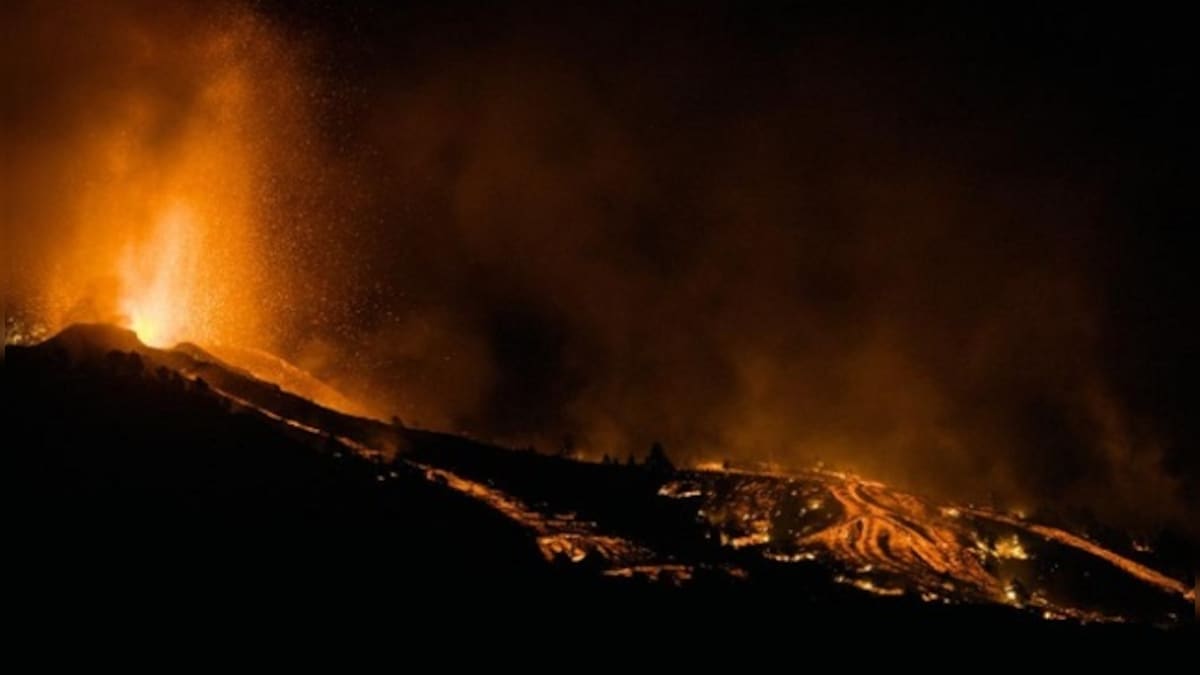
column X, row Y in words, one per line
column 171, row 188
column 890, row 541
column 162, row 222
column 157, row 281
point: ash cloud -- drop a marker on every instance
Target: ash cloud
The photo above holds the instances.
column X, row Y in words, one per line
column 749, row 236
column 810, row 242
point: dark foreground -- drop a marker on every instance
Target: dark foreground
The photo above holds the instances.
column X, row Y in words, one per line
column 167, row 479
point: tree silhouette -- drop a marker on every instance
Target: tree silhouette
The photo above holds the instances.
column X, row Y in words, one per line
column 657, row 461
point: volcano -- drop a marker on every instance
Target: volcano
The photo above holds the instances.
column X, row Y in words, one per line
column 176, row 456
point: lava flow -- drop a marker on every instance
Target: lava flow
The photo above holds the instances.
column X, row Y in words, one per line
column 889, row 542
column 868, row 535
column 691, row 526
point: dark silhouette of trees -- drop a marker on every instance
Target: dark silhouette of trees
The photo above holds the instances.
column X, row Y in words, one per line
column 657, row 461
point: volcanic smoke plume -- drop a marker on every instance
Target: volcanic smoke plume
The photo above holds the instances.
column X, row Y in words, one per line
column 806, row 241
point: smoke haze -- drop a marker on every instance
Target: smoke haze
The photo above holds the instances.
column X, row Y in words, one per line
column 747, row 237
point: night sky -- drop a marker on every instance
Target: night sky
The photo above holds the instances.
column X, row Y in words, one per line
column 945, row 249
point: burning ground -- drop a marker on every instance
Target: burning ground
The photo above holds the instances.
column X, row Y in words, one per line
column 841, row 542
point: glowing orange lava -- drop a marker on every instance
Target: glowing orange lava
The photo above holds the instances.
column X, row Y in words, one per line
column 890, row 542
column 163, row 199
column 157, row 281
